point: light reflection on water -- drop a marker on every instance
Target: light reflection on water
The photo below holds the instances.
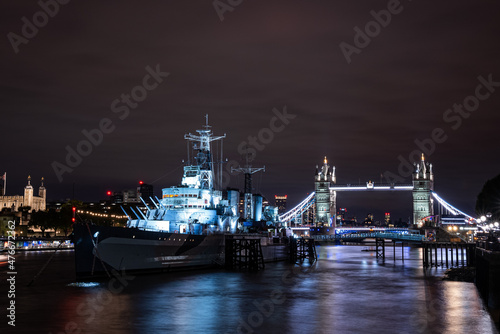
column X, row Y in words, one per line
column 84, row 284
column 346, row 291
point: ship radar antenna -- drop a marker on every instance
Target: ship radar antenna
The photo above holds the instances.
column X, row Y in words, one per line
column 206, row 126
column 248, row 171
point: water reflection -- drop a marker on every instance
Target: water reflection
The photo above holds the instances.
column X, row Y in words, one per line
column 346, row 291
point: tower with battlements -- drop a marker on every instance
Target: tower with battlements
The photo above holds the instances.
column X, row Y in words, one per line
column 28, row 199
column 423, row 185
column 28, row 194
column 325, row 200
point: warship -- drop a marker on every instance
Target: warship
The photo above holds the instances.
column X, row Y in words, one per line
column 184, row 229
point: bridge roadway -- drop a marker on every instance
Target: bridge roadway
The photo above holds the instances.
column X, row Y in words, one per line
column 381, row 235
column 372, row 186
column 356, row 233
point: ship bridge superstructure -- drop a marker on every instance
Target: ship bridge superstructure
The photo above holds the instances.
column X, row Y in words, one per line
column 194, row 207
column 200, row 174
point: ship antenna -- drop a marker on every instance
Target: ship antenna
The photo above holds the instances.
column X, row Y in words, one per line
column 206, row 126
column 248, row 171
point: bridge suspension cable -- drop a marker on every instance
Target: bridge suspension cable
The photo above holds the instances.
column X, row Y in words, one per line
column 450, row 208
column 298, row 209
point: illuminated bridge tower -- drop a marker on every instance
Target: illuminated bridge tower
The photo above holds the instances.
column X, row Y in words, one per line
column 325, row 200
column 423, row 185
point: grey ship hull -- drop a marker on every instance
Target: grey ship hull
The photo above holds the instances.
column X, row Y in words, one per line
column 100, row 249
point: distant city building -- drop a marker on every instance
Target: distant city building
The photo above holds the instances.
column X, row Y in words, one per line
column 280, row 203
column 35, row 203
column 56, row 206
column 341, row 215
column 311, row 214
column 387, row 218
column 117, row 198
column 133, row 196
column 308, row 216
column 146, row 191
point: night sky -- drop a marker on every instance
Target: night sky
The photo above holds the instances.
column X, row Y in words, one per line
column 264, row 55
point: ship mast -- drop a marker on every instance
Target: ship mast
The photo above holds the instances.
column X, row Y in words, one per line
column 248, row 171
column 204, row 157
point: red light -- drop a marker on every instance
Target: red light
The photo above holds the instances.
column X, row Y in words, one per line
column 74, row 209
column 109, row 193
column 73, row 219
column 140, row 182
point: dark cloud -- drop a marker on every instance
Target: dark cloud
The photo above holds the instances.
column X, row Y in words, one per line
column 264, row 55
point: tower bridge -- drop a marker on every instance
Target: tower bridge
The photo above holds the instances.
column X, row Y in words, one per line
column 324, row 199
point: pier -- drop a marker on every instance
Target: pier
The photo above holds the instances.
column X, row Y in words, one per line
column 243, row 254
column 301, row 249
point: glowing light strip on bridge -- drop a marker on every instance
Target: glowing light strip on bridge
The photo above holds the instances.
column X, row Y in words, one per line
column 454, row 211
column 301, row 207
column 354, row 188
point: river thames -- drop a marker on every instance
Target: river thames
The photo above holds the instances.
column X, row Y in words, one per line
column 346, row 291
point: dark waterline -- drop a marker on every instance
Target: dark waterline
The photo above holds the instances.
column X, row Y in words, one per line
column 346, row 291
